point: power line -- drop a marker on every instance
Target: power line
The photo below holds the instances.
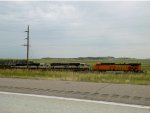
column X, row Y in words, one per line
column 9, row 47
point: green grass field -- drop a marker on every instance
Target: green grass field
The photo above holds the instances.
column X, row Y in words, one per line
column 124, row 78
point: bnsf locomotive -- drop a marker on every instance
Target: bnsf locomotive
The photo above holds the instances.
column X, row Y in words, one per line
column 131, row 67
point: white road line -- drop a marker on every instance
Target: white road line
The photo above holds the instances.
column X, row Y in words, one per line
column 77, row 100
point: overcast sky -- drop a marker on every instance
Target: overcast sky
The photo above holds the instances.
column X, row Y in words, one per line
column 75, row 29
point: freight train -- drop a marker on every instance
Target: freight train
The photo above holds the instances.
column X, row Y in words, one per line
column 98, row 67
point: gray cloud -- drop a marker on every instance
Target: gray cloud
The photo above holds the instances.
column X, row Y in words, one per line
column 74, row 29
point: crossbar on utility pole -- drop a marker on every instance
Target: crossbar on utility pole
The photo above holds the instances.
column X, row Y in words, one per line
column 27, row 46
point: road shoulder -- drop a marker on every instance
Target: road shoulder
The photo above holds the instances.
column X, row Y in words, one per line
column 122, row 93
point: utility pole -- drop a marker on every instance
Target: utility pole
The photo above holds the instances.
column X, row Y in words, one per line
column 27, row 46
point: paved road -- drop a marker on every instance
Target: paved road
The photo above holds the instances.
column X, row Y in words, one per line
column 25, row 103
column 120, row 93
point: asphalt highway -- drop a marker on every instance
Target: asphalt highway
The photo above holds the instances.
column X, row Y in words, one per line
column 118, row 93
column 27, row 103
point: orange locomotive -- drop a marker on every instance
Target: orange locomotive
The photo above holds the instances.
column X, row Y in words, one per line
column 131, row 67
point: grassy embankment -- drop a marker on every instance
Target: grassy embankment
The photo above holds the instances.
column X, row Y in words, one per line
column 127, row 78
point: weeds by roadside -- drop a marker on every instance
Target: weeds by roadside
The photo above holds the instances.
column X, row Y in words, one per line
column 122, row 78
